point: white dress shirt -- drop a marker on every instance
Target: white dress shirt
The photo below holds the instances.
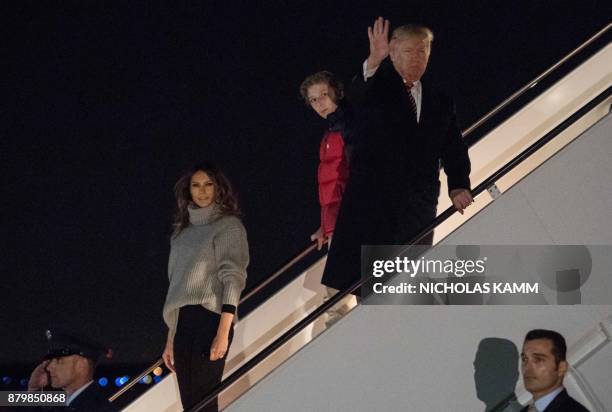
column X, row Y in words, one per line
column 542, row 403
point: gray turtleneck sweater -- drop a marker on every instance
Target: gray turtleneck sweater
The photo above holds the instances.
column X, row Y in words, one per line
column 207, row 264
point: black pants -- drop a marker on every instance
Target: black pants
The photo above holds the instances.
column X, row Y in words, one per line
column 197, row 375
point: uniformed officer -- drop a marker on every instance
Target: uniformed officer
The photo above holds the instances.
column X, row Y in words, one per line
column 69, row 365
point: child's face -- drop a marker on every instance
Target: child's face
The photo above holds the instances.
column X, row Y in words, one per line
column 320, row 98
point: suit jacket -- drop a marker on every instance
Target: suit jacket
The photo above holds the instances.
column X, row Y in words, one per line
column 562, row 403
column 393, row 184
column 92, row 399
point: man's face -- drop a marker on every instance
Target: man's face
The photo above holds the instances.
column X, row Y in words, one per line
column 320, row 97
column 541, row 374
column 410, row 56
column 63, row 371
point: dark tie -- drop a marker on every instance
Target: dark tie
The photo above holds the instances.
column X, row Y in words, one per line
column 413, row 105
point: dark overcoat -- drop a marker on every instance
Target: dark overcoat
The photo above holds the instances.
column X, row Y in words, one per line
column 92, row 399
column 563, row 402
column 394, row 185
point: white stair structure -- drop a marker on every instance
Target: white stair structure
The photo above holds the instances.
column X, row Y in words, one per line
column 398, row 357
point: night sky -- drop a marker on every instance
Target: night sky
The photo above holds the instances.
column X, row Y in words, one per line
column 109, row 102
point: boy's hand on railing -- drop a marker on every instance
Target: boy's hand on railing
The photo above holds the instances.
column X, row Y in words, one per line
column 318, row 237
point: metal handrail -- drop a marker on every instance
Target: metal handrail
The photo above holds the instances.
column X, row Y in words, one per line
column 437, row 221
column 535, row 81
column 280, row 271
column 467, row 131
column 128, row 385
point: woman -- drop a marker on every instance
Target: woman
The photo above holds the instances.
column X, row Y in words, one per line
column 207, row 272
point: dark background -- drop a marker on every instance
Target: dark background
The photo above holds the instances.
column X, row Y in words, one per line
column 109, row 102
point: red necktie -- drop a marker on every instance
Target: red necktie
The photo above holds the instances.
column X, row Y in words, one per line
column 413, row 105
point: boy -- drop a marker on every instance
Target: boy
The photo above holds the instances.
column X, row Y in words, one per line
column 323, row 92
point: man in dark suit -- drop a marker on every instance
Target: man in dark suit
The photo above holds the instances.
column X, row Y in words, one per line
column 407, row 131
column 70, row 365
column 543, row 366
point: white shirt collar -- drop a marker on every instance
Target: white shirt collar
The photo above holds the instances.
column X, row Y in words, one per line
column 416, row 84
column 78, row 392
column 542, row 403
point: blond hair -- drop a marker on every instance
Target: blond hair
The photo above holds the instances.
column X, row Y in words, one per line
column 412, row 30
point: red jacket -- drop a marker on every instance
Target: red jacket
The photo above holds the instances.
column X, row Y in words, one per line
column 332, row 177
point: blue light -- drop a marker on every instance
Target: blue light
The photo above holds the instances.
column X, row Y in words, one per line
column 23, row 382
column 157, row 379
column 118, row 382
column 146, row 380
column 124, row 379
column 102, row 381
column 7, row 380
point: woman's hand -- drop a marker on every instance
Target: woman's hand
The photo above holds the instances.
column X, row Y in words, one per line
column 220, row 343
column 218, row 349
column 168, row 356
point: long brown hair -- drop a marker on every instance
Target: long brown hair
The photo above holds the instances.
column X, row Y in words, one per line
column 225, row 198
